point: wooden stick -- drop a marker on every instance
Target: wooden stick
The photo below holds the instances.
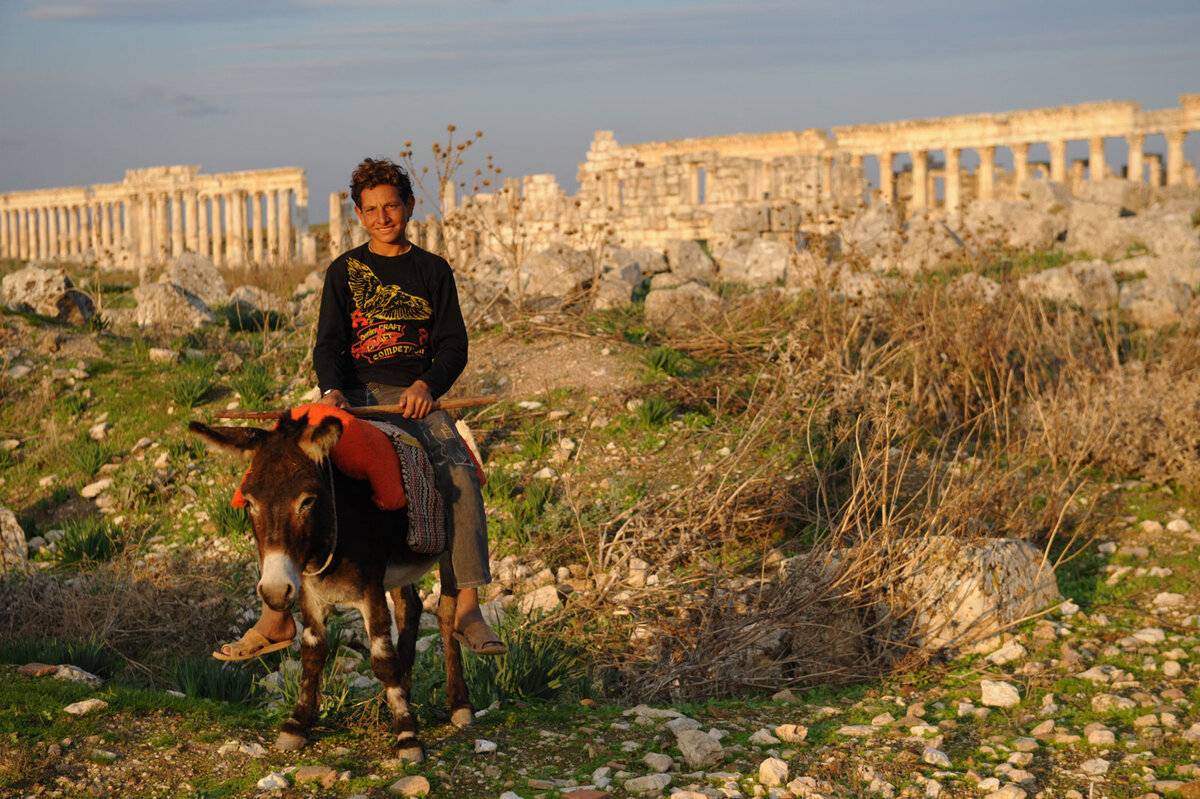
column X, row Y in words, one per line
column 368, row 410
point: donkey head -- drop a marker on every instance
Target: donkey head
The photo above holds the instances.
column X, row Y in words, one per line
column 287, row 496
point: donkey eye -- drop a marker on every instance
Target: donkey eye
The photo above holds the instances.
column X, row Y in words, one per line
column 306, row 504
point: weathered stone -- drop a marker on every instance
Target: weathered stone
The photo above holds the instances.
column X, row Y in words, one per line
column 48, row 292
column 251, row 299
column 86, row 706
column 1096, row 229
column 1155, row 303
column 990, row 223
column 681, row 308
column 689, row 261
column 766, row 264
column 161, row 304
column 961, row 593
column 558, row 272
column 1088, row 284
column 1121, row 193
column 14, row 552
column 196, row 274
column 772, row 771
column 699, row 749
column 647, row 785
column 414, row 785
column 1047, row 196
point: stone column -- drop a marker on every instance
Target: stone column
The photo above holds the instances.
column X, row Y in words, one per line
column 4, row 242
column 1137, row 165
column 1175, row 157
column 285, row 225
column 1058, row 160
column 887, row 178
column 162, row 219
column 175, row 199
column 191, row 199
column 920, row 161
column 66, row 241
column 826, row 176
column 336, row 223
column 51, row 238
column 1097, row 163
column 273, row 226
column 239, row 228
column 29, row 250
column 111, row 214
column 202, row 221
column 256, row 225
column 986, row 179
column 953, row 195
column 1076, row 178
column 145, row 232
column 1154, row 160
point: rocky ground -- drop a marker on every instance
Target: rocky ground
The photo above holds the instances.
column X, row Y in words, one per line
column 1097, row 698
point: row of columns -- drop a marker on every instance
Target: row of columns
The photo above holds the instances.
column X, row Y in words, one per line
column 157, row 225
column 1097, row 167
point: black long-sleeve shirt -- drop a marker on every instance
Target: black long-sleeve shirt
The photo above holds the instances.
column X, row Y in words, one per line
column 391, row 320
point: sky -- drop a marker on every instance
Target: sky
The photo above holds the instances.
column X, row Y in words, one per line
column 89, row 89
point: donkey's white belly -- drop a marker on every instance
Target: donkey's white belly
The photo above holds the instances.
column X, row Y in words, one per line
column 399, row 574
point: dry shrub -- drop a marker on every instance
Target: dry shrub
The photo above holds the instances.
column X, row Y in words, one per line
column 148, row 615
column 861, row 436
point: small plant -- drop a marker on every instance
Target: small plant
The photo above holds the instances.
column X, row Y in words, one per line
column 254, row 384
column 88, row 540
column 190, row 386
column 206, row 678
column 666, row 361
column 74, row 404
column 538, row 440
column 537, row 667
column 229, row 521
column 337, row 697
column 654, row 412
column 90, row 654
column 88, row 455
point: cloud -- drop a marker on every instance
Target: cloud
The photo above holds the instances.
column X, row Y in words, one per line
column 181, row 103
column 168, row 11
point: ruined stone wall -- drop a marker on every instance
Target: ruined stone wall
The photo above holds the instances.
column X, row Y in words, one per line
column 257, row 217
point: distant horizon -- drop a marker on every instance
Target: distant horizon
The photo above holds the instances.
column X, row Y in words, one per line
column 91, row 88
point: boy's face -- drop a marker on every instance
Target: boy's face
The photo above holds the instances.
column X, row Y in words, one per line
column 384, row 214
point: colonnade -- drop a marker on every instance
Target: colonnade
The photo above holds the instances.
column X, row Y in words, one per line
column 237, row 219
column 1092, row 124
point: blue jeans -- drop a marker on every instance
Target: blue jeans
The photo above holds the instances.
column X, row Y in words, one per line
column 465, row 563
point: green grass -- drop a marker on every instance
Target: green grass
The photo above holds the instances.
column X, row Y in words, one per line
column 90, row 654
column 88, row 455
column 190, row 386
column 208, row 678
column 654, row 412
column 88, row 540
column 255, row 384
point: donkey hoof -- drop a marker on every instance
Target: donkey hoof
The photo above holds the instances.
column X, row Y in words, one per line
column 410, row 753
column 290, row 742
column 462, row 717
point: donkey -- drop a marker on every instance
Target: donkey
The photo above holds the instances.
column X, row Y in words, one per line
column 323, row 541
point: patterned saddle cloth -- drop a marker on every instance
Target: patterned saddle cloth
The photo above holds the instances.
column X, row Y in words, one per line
column 426, row 510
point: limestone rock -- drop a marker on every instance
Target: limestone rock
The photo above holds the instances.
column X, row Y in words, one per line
column 649, row 784
column 414, row 785
column 14, row 552
column 973, row 287
column 616, row 285
column 251, row 298
column 766, row 264
column 1155, row 303
column 960, row 593
column 699, row 749
column 557, row 272
column 48, row 292
column 1088, row 284
column 162, row 304
column 196, row 273
column 688, row 260
column 684, row 307
column 751, row 219
column 999, row 694
column 1047, row 196
column 928, row 244
column 871, row 232
column 772, row 771
column 1116, row 191
column 1181, row 267
column 989, row 223
column 1095, row 228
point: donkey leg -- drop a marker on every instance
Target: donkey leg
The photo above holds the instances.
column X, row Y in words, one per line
column 457, row 696
column 293, row 733
column 393, row 665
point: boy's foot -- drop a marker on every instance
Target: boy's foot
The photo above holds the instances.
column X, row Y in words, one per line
column 256, row 642
column 480, row 639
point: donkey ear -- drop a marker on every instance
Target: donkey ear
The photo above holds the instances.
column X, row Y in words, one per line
column 318, row 439
column 241, row 440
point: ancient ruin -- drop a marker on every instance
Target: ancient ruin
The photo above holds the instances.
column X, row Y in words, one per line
column 722, row 190
column 257, row 217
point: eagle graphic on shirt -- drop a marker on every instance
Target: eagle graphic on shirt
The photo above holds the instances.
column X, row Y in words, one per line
column 386, row 320
column 377, row 301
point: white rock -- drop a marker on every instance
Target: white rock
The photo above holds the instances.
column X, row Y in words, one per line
column 1166, row 599
column 999, row 694
column 544, row 599
column 1179, row 526
column 1007, row 653
column 657, row 761
column 483, row 746
column 791, row 733
column 763, row 737
column 272, row 782
column 77, row 675
column 85, row 707
column 699, row 749
column 410, row 786
column 935, row 757
column 1150, row 635
column 1096, row 766
column 1007, row 792
column 651, row 783
column 772, row 771
column 93, row 490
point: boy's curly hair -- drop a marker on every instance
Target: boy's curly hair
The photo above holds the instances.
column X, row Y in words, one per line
column 374, row 172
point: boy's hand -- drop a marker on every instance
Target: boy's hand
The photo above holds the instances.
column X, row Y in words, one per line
column 416, row 401
column 335, row 398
